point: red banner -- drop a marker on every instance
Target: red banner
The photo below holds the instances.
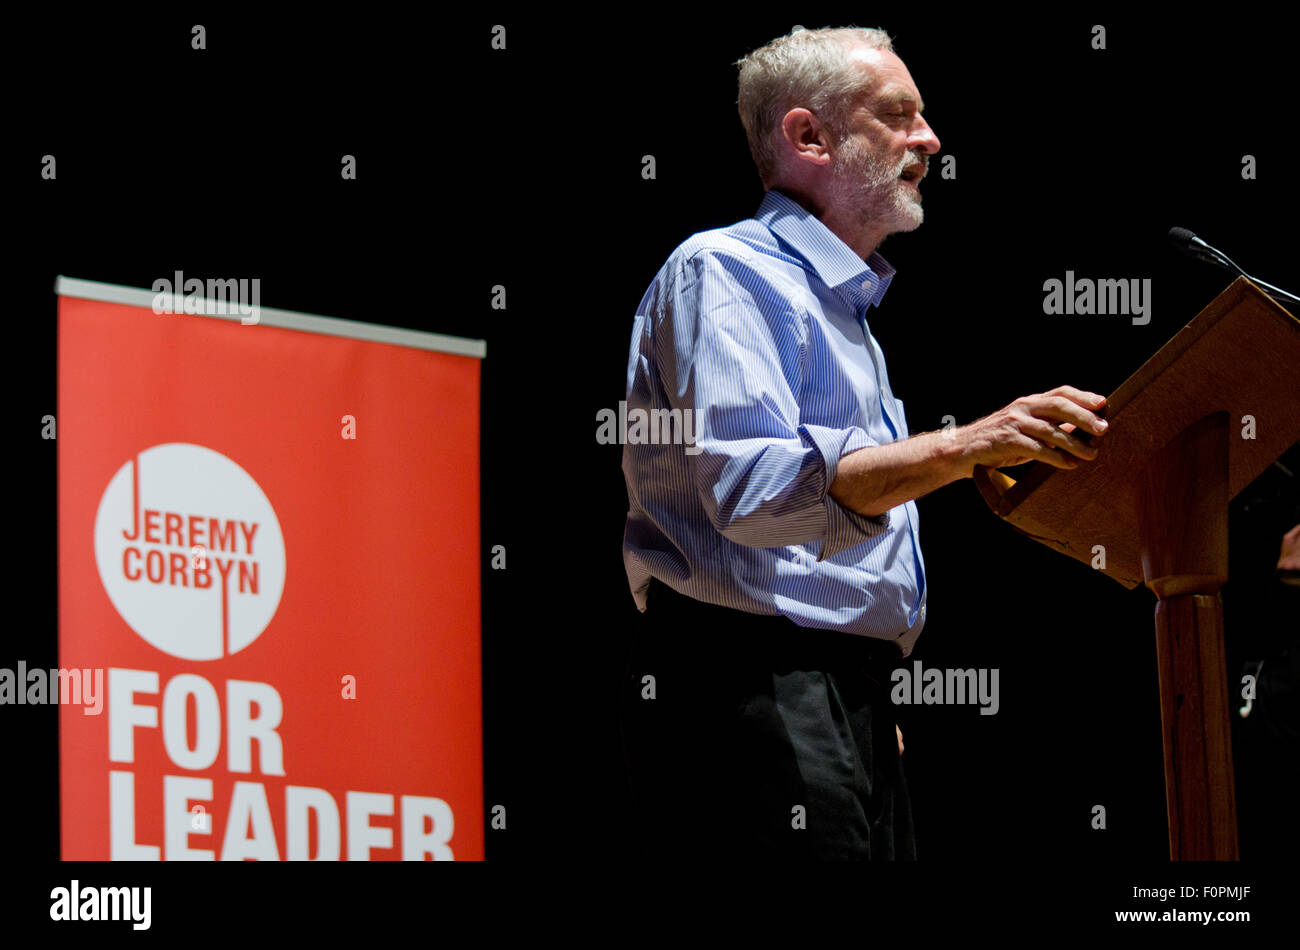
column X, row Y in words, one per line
column 269, row 545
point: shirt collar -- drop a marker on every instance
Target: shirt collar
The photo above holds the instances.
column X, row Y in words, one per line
column 830, row 258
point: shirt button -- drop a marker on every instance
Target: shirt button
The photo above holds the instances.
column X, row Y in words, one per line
column 866, row 285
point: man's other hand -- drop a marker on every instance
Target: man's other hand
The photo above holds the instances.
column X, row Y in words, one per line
column 1288, row 562
column 900, row 738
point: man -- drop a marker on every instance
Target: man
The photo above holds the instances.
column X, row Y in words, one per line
column 772, row 544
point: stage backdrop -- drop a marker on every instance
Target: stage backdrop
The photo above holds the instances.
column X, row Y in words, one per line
column 269, row 545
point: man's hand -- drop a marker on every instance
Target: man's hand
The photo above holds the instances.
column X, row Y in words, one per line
column 1035, row 427
column 874, row 479
column 900, row 738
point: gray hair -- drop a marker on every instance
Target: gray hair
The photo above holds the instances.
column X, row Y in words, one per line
column 811, row 69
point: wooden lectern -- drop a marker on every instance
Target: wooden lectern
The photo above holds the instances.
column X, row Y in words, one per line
column 1189, row 430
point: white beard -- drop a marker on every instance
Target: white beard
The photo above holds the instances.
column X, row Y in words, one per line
column 869, row 188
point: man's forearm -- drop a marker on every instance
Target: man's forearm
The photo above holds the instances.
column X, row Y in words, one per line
column 870, row 481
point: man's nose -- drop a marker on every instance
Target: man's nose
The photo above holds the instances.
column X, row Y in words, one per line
column 923, row 137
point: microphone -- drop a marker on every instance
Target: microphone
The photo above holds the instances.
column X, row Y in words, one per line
column 1191, row 245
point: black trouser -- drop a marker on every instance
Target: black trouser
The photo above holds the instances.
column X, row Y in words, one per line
column 748, row 736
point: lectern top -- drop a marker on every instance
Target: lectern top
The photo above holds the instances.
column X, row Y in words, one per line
column 1240, row 355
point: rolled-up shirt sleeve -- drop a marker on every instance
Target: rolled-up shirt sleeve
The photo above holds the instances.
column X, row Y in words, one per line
column 732, row 346
column 844, row 528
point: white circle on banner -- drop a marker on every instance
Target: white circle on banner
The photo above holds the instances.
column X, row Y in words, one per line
column 194, row 565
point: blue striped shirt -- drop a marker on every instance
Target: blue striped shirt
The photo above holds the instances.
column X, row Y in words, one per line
column 751, row 348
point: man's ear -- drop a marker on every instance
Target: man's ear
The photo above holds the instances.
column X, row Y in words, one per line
column 806, row 136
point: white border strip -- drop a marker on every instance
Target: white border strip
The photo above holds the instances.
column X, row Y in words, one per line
column 288, row 319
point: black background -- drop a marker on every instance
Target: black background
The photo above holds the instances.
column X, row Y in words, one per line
column 523, row 168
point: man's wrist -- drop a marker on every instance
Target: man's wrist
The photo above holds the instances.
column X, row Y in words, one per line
column 873, row 479
column 952, row 451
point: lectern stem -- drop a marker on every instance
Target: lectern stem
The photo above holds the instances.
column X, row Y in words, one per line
column 1194, row 715
column 1183, row 527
